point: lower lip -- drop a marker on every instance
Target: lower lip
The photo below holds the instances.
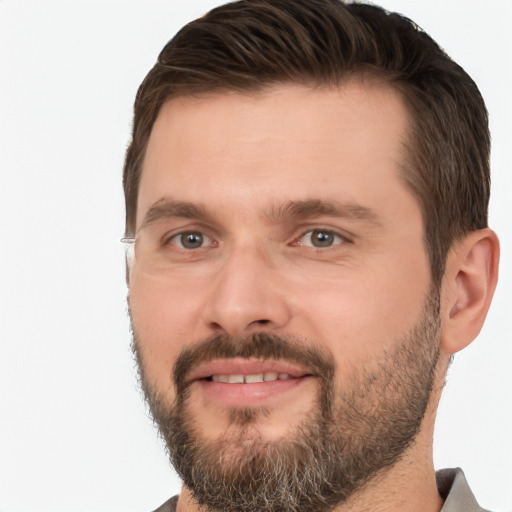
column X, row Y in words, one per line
column 249, row 395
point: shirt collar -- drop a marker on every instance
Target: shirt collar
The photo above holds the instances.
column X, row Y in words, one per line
column 454, row 489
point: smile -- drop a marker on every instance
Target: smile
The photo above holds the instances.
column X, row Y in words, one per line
column 250, row 379
column 248, row 382
column 247, row 371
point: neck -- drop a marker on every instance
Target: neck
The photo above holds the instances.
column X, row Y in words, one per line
column 410, row 484
column 406, row 486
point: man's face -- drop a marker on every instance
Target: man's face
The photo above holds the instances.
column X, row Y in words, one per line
column 282, row 214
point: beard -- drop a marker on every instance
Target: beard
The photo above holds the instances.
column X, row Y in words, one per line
column 353, row 433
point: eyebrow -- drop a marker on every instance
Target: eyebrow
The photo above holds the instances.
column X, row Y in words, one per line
column 302, row 210
column 166, row 208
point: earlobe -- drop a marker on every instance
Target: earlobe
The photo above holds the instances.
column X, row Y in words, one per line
column 468, row 286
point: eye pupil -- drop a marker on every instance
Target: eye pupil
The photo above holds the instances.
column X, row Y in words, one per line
column 192, row 240
column 322, row 238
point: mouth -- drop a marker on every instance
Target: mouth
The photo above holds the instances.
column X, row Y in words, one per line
column 249, row 379
column 248, row 371
column 248, row 382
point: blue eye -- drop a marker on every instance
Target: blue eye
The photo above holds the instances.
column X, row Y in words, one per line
column 191, row 240
column 321, row 238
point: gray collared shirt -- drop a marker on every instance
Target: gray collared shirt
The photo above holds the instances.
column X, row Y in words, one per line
column 452, row 485
column 455, row 491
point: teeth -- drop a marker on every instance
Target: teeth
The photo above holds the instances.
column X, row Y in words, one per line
column 251, row 379
column 254, row 378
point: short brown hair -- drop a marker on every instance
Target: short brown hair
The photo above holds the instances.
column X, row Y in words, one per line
column 252, row 44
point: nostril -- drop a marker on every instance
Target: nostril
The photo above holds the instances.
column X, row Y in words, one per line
column 261, row 322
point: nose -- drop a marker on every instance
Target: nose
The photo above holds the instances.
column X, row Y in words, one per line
column 246, row 296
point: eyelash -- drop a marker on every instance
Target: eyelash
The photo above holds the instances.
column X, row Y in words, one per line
column 339, row 239
column 342, row 239
column 168, row 240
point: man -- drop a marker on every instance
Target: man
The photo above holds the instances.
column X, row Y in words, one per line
column 306, row 194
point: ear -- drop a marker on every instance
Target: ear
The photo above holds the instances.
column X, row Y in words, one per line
column 468, row 286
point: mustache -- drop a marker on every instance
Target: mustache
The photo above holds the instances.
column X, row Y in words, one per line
column 258, row 345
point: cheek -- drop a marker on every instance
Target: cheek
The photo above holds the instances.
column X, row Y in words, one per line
column 162, row 323
column 360, row 316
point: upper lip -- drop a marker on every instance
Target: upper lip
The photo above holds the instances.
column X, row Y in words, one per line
column 240, row 366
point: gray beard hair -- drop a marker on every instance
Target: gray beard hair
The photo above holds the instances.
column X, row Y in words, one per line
column 352, row 435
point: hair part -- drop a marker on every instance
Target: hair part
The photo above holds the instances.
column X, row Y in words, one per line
column 249, row 45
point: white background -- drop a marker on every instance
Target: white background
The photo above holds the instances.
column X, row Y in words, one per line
column 74, row 433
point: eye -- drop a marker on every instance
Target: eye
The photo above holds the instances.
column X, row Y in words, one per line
column 191, row 240
column 320, row 238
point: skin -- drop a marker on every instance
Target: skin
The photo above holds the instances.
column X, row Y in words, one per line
column 242, row 157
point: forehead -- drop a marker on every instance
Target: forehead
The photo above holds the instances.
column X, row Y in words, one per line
column 287, row 142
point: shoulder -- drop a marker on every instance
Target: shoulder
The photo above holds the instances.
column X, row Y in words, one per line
column 168, row 506
column 454, row 489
